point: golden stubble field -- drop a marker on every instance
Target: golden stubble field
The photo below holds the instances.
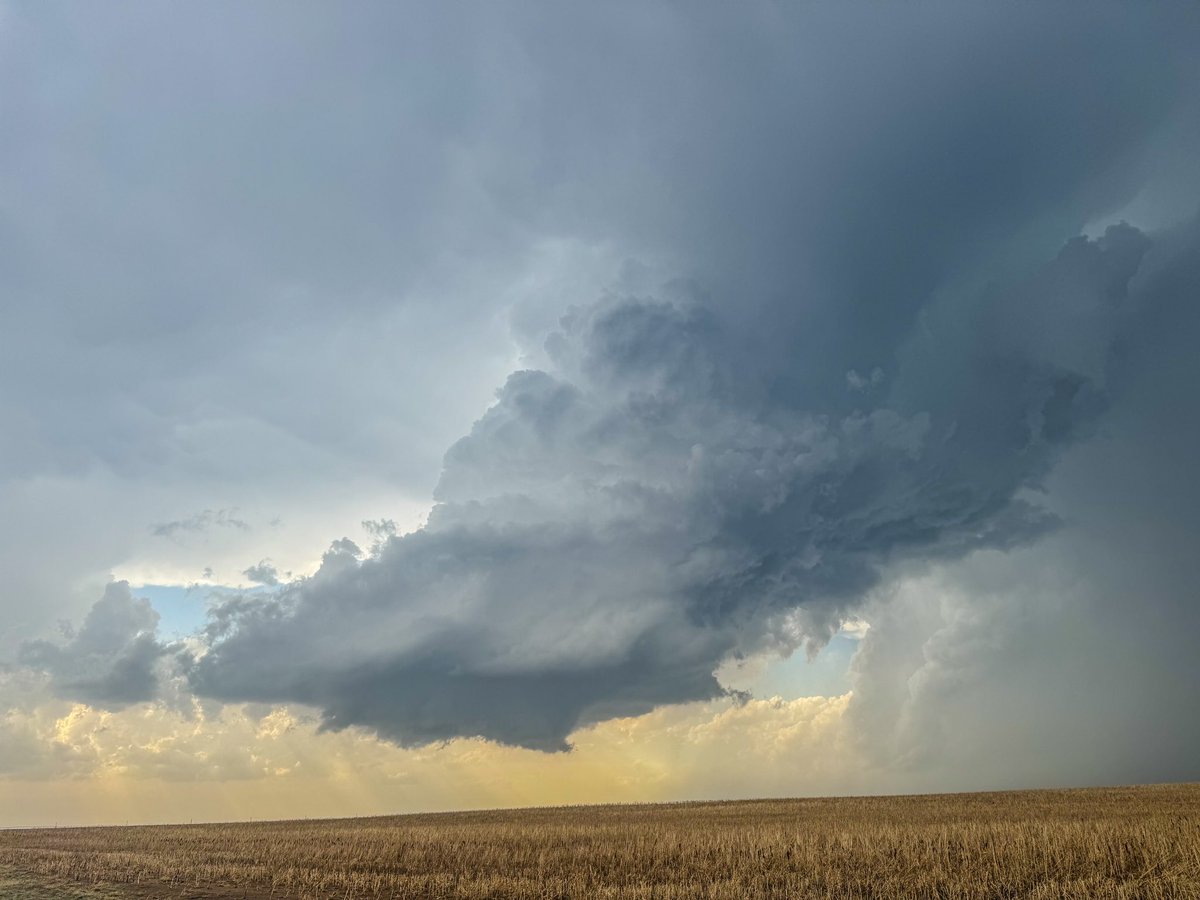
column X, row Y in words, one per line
column 1095, row 843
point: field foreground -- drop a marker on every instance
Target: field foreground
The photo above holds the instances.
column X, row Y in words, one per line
column 1096, row 843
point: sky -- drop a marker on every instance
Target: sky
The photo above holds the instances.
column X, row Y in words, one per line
column 429, row 406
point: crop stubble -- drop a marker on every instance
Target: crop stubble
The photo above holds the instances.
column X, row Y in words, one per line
column 1140, row 842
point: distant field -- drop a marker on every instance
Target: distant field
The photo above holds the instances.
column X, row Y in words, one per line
column 1103, row 843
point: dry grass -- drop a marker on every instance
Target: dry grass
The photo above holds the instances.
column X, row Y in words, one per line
column 1103, row 843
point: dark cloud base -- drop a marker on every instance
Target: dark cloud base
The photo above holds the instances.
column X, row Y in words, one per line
column 612, row 529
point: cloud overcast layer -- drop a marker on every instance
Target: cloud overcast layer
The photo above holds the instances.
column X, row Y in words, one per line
column 854, row 333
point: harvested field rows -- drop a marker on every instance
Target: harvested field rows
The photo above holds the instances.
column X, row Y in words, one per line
column 1100, row 843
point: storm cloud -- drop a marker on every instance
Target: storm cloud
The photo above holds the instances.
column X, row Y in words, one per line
column 689, row 464
column 1081, row 645
column 617, row 525
column 805, row 300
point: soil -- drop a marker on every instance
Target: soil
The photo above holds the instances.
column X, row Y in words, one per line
column 18, row 886
column 15, row 885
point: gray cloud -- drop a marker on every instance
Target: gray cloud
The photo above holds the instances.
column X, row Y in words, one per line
column 682, row 470
column 113, row 660
column 262, row 573
column 201, row 522
column 1071, row 661
column 614, row 527
column 254, row 251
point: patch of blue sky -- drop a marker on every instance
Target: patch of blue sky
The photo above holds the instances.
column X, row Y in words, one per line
column 828, row 675
column 183, row 609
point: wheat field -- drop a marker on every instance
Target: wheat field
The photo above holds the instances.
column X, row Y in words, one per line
column 1137, row 842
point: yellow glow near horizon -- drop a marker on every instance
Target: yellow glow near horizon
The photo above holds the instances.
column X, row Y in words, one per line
column 155, row 765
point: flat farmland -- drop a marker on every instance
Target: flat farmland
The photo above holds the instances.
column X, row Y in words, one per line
column 1135, row 842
